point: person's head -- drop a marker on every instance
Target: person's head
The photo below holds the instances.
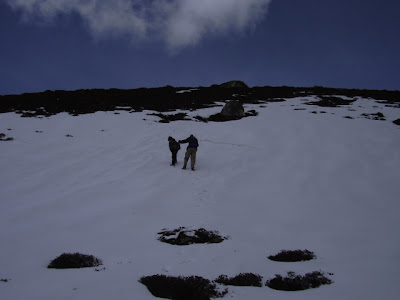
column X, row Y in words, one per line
column 170, row 138
column 191, row 135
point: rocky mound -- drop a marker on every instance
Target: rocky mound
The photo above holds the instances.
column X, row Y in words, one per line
column 181, row 288
column 243, row 279
column 293, row 256
column 234, row 84
column 183, row 236
column 74, row 260
column 293, row 282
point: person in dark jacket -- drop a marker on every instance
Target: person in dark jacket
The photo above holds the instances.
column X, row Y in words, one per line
column 190, row 151
column 174, row 148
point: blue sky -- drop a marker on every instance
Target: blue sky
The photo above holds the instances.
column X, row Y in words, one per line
column 75, row 44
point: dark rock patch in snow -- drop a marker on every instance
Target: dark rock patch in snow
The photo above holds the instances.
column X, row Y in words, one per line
column 243, row 279
column 169, row 118
column 5, row 280
column 251, row 113
column 330, row 101
column 181, row 288
column 37, row 113
column 392, row 105
column 183, row 236
column 5, row 138
column 74, row 261
column 393, row 101
column 378, row 116
column 293, row 282
column 219, row 117
column 397, row 122
column 201, row 119
column 293, row 256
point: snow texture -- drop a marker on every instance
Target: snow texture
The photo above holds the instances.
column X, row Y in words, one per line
column 101, row 184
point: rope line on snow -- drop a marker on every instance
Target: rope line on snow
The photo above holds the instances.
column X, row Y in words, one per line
column 231, row 144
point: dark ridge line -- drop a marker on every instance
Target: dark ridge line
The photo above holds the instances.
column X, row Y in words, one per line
column 170, row 98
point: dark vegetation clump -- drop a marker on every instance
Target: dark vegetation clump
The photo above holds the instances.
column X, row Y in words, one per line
column 181, row 288
column 169, row 118
column 36, row 113
column 378, row 116
column 397, row 122
column 391, row 105
column 74, row 261
column 219, row 117
column 243, row 279
column 251, row 113
column 222, row 118
column 183, row 236
column 201, row 119
column 293, row 282
column 213, row 118
column 330, row 101
column 5, row 138
column 293, row 256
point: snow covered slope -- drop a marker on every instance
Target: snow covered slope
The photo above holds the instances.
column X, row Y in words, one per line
column 288, row 178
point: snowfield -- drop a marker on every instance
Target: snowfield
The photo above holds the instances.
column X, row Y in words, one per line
column 101, row 184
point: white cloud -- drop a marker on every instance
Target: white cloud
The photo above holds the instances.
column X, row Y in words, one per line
column 194, row 19
column 178, row 23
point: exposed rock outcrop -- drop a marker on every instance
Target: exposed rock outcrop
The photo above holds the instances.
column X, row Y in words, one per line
column 233, row 109
column 234, row 84
column 183, row 236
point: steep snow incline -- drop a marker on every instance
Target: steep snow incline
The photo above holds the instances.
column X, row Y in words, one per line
column 285, row 179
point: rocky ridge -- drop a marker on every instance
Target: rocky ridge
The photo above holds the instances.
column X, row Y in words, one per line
column 168, row 98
